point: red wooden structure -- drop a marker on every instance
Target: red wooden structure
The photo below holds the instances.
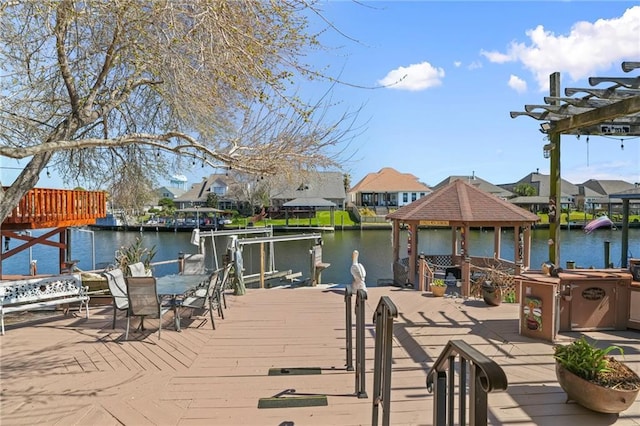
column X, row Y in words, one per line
column 43, row 208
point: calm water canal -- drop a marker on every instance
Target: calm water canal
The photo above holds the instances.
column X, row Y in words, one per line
column 374, row 246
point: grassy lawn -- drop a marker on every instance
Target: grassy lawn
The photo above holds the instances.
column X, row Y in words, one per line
column 581, row 217
column 322, row 218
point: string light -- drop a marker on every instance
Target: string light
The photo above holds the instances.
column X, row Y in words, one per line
column 622, row 144
column 48, row 173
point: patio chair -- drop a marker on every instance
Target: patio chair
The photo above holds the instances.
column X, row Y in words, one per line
column 193, row 264
column 143, row 302
column 205, row 297
column 138, row 270
column 118, row 290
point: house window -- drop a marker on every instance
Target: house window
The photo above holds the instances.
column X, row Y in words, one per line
column 405, row 197
column 413, row 196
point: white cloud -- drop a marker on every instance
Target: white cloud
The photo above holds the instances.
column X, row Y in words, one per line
column 414, row 77
column 457, row 64
column 517, row 84
column 585, row 50
column 475, row 65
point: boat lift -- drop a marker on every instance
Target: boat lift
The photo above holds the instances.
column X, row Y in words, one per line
column 266, row 270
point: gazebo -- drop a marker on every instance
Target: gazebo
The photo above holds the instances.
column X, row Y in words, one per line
column 461, row 206
column 309, row 203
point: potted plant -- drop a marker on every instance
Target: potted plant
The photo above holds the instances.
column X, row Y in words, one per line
column 134, row 253
column 438, row 287
column 593, row 379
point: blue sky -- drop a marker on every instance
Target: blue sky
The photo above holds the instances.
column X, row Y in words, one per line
column 463, row 66
column 466, row 65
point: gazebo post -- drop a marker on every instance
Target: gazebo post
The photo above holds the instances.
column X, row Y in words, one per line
column 526, row 258
column 395, row 240
column 454, row 240
column 497, row 240
column 517, row 256
column 413, row 256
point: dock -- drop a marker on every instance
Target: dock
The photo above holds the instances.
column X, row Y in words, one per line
column 70, row 370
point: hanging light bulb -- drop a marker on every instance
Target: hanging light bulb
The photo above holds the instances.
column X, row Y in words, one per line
column 622, row 144
column 48, row 173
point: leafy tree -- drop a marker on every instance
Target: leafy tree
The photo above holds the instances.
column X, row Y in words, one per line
column 166, row 203
column 524, row 190
column 114, row 93
column 212, row 200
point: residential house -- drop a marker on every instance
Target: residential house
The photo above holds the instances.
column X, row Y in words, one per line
column 169, row 192
column 479, row 183
column 540, row 201
column 225, row 189
column 387, row 188
column 594, row 195
column 318, row 186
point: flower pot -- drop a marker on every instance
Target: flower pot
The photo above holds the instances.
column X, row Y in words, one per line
column 592, row 396
column 438, row 291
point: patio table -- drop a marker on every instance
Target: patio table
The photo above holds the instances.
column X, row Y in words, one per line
column 176, row 285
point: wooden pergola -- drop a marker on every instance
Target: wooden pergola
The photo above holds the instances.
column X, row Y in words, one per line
column 610, row 111
column 461, row 206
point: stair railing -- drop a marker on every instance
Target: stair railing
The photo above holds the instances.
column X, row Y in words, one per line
column 383, row 319
column 485, row 376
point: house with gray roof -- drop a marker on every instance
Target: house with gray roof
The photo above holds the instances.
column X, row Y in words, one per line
column 226, row 190
column 479, row 183
column 540, row 201
column 310, row 190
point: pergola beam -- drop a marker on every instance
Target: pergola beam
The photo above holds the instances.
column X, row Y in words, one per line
column 595, row 116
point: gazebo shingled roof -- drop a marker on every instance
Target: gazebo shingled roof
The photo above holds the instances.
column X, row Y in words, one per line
column 460, row 202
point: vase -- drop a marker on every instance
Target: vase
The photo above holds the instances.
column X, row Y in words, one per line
column 592, row 396
column 438, row 291
column 491, row 294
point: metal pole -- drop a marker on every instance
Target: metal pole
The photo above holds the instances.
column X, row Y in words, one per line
column 607, row 250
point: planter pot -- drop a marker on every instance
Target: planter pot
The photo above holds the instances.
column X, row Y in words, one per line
column 592, row 396
column 492, row 295
column 438, row 291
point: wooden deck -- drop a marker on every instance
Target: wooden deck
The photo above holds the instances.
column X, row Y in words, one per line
column 69, row 370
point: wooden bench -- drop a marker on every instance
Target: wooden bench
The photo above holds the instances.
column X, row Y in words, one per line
column 37, row 293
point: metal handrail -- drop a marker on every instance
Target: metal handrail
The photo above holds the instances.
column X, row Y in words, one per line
column 485, row 376
column 348, row 293
column 361, row 297
column 383, row 317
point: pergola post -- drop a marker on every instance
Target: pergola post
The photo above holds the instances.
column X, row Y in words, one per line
column 497, row 239
column 555, row 189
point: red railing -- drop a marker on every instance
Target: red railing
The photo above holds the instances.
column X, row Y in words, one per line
column 52, row 208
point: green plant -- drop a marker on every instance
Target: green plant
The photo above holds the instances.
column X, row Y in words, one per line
column 584, row 359
column 134, row 253
column 438, row 282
